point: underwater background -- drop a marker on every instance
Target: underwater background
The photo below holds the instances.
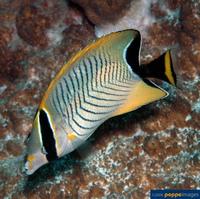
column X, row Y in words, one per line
column 154, row 147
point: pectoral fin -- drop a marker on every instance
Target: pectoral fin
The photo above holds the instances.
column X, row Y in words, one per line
column 142, row 93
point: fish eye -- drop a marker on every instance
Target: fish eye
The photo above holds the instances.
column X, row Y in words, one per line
column 43, row 150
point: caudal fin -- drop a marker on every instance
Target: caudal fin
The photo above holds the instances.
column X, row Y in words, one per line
column 160, row 68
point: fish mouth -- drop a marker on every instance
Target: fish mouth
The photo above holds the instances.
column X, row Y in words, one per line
column 33, row 162
column 27, row 169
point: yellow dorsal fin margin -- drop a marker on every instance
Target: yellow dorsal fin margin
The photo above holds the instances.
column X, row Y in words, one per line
column 140, row 95
column 168, row 68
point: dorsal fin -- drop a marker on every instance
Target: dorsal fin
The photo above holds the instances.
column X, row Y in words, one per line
column 143, row 92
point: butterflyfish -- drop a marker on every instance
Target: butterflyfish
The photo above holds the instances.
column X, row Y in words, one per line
column 103, row 80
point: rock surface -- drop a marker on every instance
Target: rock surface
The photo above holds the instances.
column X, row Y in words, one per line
column 99, row 12
column 155, row 147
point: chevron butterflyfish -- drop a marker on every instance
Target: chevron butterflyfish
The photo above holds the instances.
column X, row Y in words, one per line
column 103, row 80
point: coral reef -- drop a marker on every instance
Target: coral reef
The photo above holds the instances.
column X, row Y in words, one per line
column 155, row 147
column 138, row 16
column 103, row 11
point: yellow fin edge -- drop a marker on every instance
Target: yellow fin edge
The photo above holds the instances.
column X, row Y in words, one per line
column 168, row 70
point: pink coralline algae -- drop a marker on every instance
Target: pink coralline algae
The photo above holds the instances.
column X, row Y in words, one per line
column 155, row 147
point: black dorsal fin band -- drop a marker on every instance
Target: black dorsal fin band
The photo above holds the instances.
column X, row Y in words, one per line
column 133, row 52
column 48, row 139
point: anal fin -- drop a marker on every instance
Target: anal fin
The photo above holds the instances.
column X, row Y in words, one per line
column 143, row 92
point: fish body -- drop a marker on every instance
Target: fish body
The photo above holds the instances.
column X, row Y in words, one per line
column 101, row 81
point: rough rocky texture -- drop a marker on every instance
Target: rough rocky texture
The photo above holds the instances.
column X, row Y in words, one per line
column 138, row 16
column 32, row 25
column 103, row 11
column 154, row 147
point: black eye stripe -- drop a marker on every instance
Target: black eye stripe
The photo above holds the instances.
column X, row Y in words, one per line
column 47, row 136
